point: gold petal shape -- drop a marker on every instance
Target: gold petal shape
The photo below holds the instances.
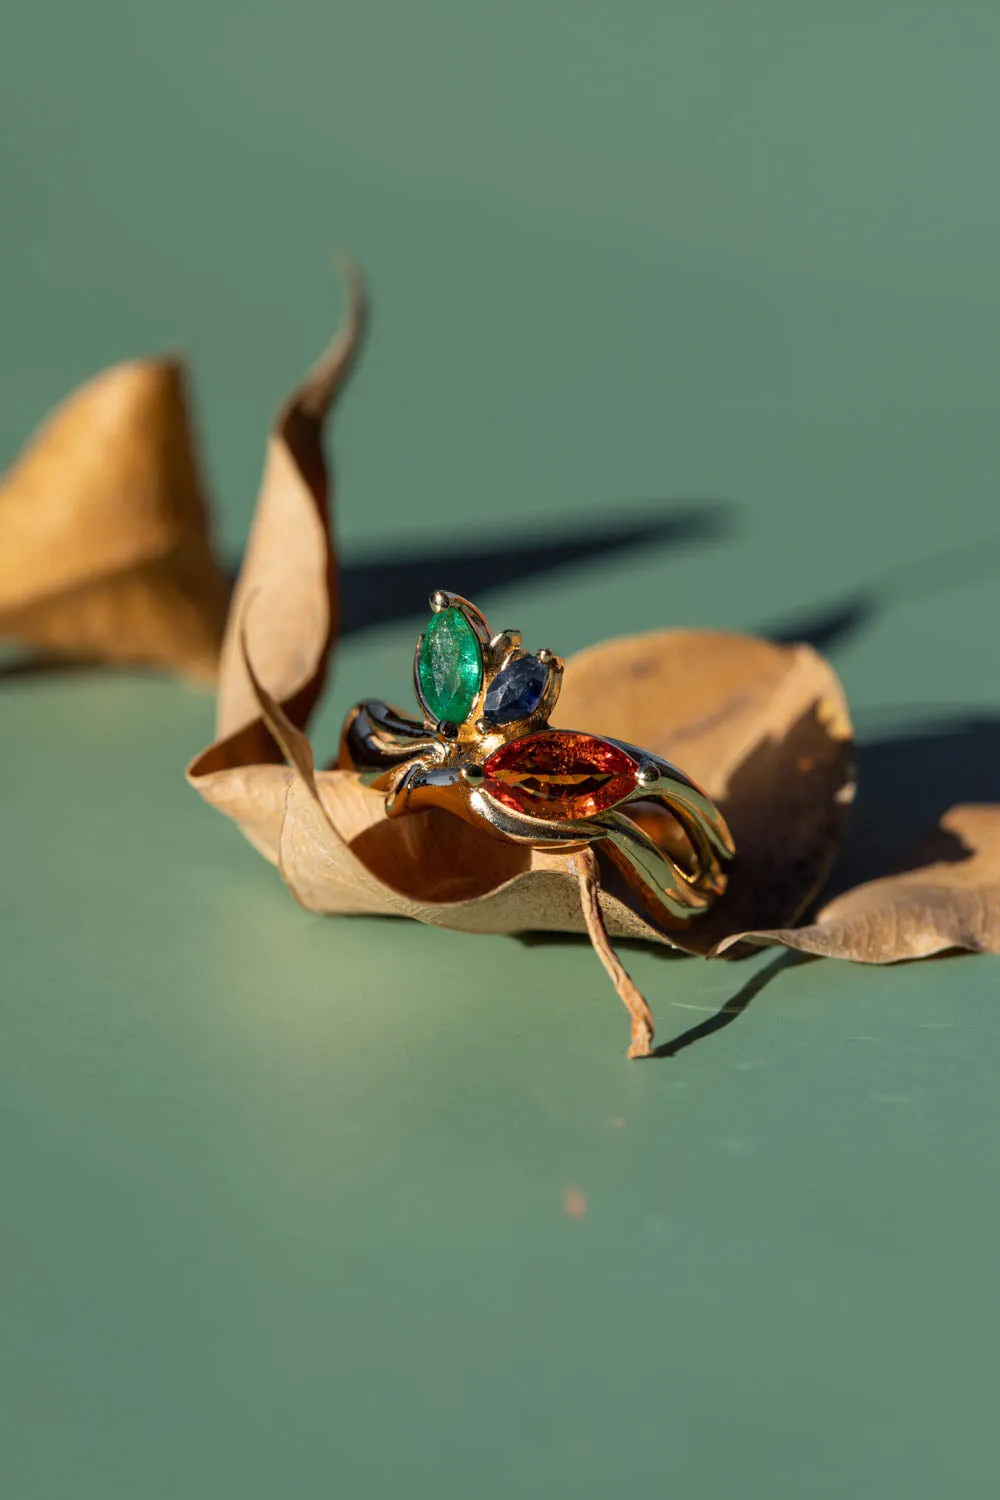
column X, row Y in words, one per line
column 104, row 538
column 947, row 896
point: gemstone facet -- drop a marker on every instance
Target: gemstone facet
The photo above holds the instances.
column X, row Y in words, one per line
column 516, row 690
column 558, row 774
column 450, row 666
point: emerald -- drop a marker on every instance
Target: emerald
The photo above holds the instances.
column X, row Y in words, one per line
column 449, row 667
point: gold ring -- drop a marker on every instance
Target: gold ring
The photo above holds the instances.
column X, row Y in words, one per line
column 485, row 752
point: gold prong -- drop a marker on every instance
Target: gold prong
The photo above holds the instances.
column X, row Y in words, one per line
column 647, row 775
column 438, row 601
column 506, row 640
column 473, row 775
column 545, row 654
column 483, row 726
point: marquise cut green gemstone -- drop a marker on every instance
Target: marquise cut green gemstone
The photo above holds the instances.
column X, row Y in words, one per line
column 450, row 666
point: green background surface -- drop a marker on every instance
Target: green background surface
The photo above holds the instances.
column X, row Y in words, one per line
column 284, row 1198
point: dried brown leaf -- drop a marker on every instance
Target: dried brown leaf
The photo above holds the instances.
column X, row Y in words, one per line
column 104, row 538
column 339, row 852
column 947, row 896
column 105, row 553
column 763, row 727
column 290, row 572
column 641, row 1044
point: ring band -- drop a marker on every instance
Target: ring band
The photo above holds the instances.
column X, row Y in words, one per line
column 485, row 752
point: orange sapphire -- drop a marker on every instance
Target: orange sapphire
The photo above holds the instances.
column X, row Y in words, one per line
column 558, row 774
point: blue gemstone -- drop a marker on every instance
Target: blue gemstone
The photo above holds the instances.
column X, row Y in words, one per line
column 516, row 691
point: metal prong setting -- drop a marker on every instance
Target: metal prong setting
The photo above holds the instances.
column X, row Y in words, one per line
column 504, row 642
column 441, row 764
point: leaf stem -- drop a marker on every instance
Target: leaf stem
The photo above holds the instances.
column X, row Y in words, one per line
column 585, row 865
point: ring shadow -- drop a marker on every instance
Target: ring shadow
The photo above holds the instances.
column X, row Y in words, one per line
column 906, row 783
column 838, row 622
column 735, row 1005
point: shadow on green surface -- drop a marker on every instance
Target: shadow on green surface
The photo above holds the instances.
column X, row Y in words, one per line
column 723, row 1017
column 46, row 666
column 836, row 624
column 735, row 1006
column 385, row 588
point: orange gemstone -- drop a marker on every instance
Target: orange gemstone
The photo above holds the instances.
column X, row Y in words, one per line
column 559, row 775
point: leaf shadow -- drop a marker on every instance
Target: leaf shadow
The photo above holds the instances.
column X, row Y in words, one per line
column 735, row 1006
column 388, row 586
column 906, row 782
column 38, row 665
column 838, row 622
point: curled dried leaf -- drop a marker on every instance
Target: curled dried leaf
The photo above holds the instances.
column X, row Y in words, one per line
column 289, row 577
column 946, row 896
column 290, row 568
column 763, row 727
column 104, row 539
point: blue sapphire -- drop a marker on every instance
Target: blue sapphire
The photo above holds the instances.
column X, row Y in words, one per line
column 516, row 691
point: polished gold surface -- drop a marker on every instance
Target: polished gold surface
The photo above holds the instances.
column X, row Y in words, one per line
column 676, row 874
